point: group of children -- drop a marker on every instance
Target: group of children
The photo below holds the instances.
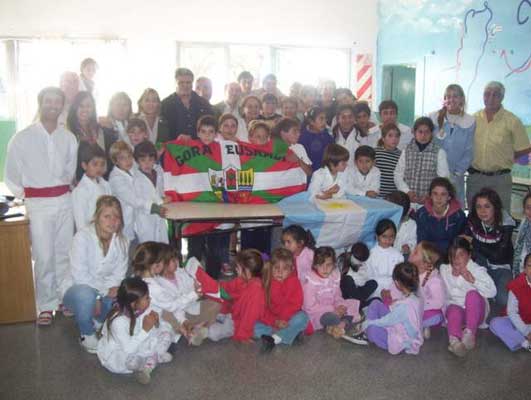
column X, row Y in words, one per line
column 368, row 296
column 364, row 296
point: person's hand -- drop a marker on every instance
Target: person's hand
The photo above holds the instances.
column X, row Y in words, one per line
column 412, row 196
column 528, row 337
column 422, row 199
column 184, row 137
column 113, row 292
column 163, row 212
column 323, row 196
column 333, row 190
column 292, row 157
column 405, row 249
column 150, row 320
column 198, row 288
column 385, row 294
column 281, row 324
column 469, row 238
column 97, row 308
column 105, row 122
column 341, row 311
column 371, row 193
column 186, row 329
column 467, row 275
column 166, row 200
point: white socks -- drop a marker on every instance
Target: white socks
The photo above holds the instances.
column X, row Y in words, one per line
column 276, row 338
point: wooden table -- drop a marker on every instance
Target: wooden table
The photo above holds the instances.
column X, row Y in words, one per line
column 185, row 212
column 17, row 294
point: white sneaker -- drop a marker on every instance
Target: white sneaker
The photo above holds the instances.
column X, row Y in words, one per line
column 89, row 343
column 426, row 332
column 165, row 358
column 469, row 340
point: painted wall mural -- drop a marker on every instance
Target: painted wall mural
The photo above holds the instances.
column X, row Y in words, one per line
column 470, row 42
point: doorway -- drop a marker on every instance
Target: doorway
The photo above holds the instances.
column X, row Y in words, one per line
column 398, row 84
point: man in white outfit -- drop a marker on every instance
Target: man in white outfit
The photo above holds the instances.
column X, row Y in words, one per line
column 40, row 167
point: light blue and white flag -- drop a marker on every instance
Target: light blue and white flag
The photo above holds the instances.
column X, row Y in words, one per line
column 339, row 223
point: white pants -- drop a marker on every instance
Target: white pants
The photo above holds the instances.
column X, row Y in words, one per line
column 51, row 229
column 221, row 329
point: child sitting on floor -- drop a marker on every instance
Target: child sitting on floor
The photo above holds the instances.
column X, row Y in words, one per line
column 132, row 340
column 397, row 327
column 515, row 329
column 301, row 244
column 468, row 286
column 406, row 237
column 322, row 296
column 283, row 320
column 247, row 300
column 354, row 282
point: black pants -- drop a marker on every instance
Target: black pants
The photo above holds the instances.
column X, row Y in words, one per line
column 350, row 290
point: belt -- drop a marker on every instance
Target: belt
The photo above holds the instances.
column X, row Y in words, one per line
column 53, row 191
column 472, row 171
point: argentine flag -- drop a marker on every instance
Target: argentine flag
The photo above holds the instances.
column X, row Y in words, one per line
column 339, row 223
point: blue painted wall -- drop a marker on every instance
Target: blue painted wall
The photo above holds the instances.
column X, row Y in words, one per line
column 469, row 42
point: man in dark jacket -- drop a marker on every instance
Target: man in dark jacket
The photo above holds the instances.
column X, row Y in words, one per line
column 182, row 109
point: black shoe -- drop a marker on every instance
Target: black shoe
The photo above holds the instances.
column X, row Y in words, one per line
column 268, row 343
column 360, row 339
column 299, row 339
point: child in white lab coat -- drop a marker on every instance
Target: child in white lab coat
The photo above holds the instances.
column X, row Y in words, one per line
column 330, row 181
column 93, row 161
column 363, row 177
column 132, row 338
column 176, row 293
column 149, row 193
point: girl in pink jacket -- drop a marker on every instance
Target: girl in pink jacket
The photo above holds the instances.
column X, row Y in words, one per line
column 432, row 291
column 300, row 243
column 397, row 327
column 322, row 295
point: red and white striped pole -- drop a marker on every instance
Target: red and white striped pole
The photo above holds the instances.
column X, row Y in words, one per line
column 364, row 77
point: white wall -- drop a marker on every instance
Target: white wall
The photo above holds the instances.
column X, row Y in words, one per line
column 316, row 23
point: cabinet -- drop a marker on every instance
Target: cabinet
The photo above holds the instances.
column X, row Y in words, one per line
column 17, row 294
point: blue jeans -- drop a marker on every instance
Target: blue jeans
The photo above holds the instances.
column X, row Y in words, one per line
column 296, row 324
column 81, row 299
column 501, row 278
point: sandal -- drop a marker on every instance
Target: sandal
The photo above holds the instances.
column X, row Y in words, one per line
column 45, row 318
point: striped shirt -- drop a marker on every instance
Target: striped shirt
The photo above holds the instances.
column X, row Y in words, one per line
column 386, row 161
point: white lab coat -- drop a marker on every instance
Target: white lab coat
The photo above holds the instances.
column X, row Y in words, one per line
column 380, row 266
column 350, row 143
column 122, row 186
column 38, row 159
column 359, row 184
column 149, row 227
column 84, row 198
column 93, row 268
column 407, row 234
column 300, row 152
column 322, row 180
column 117, row 348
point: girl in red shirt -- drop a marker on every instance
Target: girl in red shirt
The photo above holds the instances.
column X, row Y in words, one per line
column 283, row 320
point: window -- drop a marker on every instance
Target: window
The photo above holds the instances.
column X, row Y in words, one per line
column 209, row 61
column 41, row 63
column 310, row 66
column 255, row 59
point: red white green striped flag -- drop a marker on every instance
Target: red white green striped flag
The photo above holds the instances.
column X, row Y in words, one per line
column 230, row 172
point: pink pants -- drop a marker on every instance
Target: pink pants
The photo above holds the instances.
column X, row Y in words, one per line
column 471, row 316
